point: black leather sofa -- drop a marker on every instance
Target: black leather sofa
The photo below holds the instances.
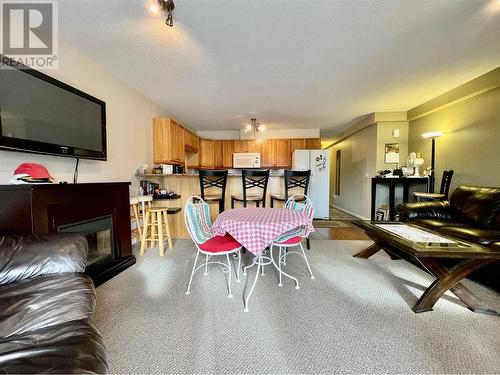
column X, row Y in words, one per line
column 46, row 304
column 472, row 214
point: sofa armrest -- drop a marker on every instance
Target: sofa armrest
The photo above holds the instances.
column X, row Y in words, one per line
column 425, row 210
column 26, row 257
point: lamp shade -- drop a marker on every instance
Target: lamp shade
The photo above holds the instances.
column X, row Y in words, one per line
column 432, row 134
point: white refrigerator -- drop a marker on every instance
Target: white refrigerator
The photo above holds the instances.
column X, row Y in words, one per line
column 319, row 186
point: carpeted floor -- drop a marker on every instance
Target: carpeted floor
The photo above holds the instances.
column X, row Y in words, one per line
column 355, row 317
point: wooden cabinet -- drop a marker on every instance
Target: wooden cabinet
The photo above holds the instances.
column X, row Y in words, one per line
column 218, row 154
column 267, row 153
column 206, row 153
column 168, row 141
column 298, row 144
column 282, row 153
column 313, row 143
column 246, row 146
column 227, row 153
column 190, row 141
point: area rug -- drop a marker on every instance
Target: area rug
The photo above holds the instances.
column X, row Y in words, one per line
column 355, row 317
column 336, row 214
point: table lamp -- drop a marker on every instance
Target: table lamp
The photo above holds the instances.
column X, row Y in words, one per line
column 433, row 136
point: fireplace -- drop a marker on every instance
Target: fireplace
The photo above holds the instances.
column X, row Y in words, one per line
column 99, row 233
column 100, row 211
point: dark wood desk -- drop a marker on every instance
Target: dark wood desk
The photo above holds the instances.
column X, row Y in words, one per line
column 392, row 183
column 470, row 257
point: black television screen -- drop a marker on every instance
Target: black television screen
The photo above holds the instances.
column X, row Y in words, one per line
column 43, row 115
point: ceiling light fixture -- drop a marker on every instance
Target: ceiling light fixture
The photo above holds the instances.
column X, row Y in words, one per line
column 254, row 125
column 154, row 9
column 167, row 6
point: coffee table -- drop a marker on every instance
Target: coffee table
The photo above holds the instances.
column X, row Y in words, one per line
column 428, row 249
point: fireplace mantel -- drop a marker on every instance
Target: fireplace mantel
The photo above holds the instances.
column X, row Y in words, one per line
column 40, row 209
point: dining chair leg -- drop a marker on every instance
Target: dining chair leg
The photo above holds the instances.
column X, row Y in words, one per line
column 229, row 277
column 245, row 268
column 308, row 243
column 279, row 267
column 232, row 203
column 307, row 262
column 192, row 273
column 283, row 272
column 285, row 252
column 206, row 265
column 272, row 202
column 239, row 265
column 253, row 285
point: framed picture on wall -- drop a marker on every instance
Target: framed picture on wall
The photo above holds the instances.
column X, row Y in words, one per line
column 392, row 153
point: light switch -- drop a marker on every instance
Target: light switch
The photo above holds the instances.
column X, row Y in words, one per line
column 395, row 133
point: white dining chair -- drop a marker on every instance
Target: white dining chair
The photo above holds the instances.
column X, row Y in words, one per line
column 199, row 227
column 293, row 238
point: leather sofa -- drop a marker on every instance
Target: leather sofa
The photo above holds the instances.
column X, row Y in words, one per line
column 46, row 304
column 472, row 214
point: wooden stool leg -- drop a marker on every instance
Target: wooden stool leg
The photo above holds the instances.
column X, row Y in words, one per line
column 167, row 230
column 160, row 233
column 144, row 233
column 137, row 221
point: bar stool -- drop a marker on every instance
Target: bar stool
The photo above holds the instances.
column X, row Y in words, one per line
column 252, row 179
column 144, row 201
column 213, row 179
column 134, row 205
column 293, row 179
column 155, row 219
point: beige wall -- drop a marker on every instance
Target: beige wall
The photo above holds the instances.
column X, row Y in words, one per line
column 469, row 117
column 129, row 116
column 358, row 165
column 384, row 135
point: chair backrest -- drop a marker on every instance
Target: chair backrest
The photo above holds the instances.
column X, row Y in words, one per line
column 255, row 179
column 300, row 203
column 197, row 219
column 212, row 179
column 445, row 183
column 294, row 179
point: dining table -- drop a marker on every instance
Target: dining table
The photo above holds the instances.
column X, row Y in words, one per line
column 256, row 229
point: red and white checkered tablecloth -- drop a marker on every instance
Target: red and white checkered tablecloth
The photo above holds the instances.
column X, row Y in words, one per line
column 257, row 228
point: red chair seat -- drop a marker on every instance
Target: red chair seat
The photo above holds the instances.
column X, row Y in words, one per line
column 219, row 244
column 291, row 241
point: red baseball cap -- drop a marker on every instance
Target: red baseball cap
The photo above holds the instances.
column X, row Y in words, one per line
column 33, row 170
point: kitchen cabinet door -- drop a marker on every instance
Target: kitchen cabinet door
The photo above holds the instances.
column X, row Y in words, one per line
column 298, row 144
column 267, row 153
column 313, row 143
column 282, row 153
column 240, row 146
column 253, row 146
column 227, row 153
column 206, row 153
column 218, row 154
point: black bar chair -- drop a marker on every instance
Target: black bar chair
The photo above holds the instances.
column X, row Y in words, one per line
column 210, row 179
column 293, row 179
column 252, row 179
column 443, row 191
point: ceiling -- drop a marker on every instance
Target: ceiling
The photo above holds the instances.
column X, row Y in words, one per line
column 290, row 64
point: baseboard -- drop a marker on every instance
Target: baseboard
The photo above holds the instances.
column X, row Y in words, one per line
column 350, row 213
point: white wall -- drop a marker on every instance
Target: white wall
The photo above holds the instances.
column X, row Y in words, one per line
column 129, row 117
column 358, row 166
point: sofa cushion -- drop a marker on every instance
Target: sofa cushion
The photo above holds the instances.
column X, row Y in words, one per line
column 480, row 236
column 435, row 224
column 45, row 301
column 25, row 257
column 69, row 348
column 476, row 204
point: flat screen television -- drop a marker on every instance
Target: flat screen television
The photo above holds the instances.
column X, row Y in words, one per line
column 42, row 115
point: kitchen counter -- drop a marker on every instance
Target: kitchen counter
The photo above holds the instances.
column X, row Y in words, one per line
column 187, row 185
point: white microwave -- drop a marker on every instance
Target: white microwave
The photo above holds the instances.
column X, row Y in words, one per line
column 246, row 160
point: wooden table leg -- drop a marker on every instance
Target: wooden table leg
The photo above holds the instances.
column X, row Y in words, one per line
column 368, row 252
column 449, row 280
